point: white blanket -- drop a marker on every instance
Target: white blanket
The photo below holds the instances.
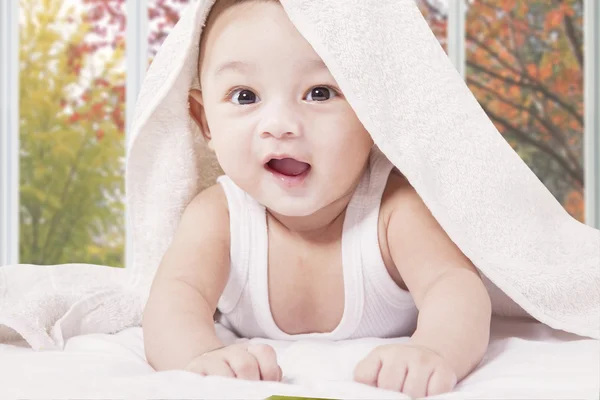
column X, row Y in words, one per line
column 526, row 360
column 421, row 114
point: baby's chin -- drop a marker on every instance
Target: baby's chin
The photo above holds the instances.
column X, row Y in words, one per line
column 298, row 207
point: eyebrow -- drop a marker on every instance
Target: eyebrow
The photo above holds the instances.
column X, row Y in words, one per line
column 240, row 66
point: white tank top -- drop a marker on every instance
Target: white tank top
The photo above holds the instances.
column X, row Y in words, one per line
column 374, row 306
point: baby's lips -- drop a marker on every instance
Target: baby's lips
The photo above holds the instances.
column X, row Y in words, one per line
column 288, row 166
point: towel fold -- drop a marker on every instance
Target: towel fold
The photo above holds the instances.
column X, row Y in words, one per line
column 46, row 305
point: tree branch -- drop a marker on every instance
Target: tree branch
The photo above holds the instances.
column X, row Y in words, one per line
column 493, row 54
column 533, row 84
column 550, row 127
column 524, row 72
column 527, row 139
column 35, row 222
column 68, row 232
column 575, row 44
column 56, row 215
column 571, row 35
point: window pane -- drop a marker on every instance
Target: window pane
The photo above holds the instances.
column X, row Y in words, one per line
column 72, row 132
column 525, row 66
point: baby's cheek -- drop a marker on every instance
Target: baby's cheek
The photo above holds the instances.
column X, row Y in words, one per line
column 353, row 147
column 239, row 164
column 349, row 163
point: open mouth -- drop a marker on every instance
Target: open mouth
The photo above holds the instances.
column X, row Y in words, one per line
column 288, row 167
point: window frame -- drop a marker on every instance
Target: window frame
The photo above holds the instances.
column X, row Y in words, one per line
column 457, row 15
column 136, row 49
column 591, row 103
column 9, row 132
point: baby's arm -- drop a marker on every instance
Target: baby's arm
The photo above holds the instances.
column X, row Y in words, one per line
column 178, row 321
column 454, row 305
column 453, row 326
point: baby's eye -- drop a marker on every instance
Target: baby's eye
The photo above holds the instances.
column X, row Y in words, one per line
column 245, row 96
column 322, row 93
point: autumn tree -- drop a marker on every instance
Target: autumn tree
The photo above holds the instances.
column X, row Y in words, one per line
column 525, row 65
column 72, row 108
column 71, row 139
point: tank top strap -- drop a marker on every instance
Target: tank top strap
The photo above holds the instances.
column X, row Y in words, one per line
column 369, row 195
column 379, row 171
column 360, row 213
column 241, row 208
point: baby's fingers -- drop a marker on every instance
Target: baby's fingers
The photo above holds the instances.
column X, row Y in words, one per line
column 392, row 375
column 416, row 382
column 244, row 365
column 367, row 370
column 214, row 368
column 267, row 362
column 442, row 380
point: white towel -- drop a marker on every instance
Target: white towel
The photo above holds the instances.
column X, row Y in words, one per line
column 533, row 255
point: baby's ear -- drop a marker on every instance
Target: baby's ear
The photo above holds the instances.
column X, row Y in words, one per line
column 197, row 112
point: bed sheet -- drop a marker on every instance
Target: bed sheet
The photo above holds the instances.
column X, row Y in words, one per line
column 525, row 360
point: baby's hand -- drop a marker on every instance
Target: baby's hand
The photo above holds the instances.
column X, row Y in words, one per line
column 411, row 369
column 243, row 361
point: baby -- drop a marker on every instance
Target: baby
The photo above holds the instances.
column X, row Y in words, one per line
column 311, row 232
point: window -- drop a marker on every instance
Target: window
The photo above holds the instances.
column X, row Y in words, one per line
column 71, row 71
column 71, row 132
column 72, row 127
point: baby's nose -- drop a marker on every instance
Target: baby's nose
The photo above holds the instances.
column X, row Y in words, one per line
column 281, row 123
column 281, row 134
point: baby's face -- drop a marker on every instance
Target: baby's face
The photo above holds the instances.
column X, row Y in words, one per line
column 277, row 121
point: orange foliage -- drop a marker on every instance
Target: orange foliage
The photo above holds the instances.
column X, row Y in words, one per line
column 574, row 204
column 524, row 66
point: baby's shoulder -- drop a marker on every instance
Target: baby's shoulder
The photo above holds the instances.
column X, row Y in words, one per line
column 208, row 203
column 403, row 209
column 398, row 194
column 401, row 204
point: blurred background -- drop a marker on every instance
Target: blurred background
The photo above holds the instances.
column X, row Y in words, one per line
column 523, row 60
